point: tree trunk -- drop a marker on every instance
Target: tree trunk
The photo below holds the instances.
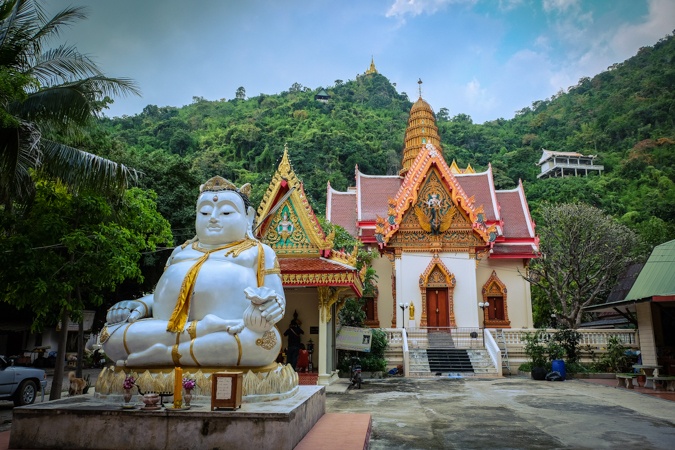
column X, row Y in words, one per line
column 57, row 382
column 80, row 338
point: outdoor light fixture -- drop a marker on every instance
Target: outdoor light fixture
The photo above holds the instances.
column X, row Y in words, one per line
column 482, row 306
column 403, row 307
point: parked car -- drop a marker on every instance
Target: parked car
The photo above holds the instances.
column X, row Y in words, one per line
column 20, row 384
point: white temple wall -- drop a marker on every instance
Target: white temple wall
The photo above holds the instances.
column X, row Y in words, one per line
column 412, row 265
column 518, row 297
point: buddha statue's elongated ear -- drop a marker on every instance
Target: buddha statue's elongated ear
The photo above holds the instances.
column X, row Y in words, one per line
column 250, row 219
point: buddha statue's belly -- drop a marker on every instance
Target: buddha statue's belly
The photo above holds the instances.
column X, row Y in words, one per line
column 218, row 289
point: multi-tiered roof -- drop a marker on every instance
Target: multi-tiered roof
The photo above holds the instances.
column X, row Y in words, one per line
column 396, row 210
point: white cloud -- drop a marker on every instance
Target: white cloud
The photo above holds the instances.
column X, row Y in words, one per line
column 508, row 5
column 560, row 5
column 478, row 98
column 402, row 8
column 656, row 25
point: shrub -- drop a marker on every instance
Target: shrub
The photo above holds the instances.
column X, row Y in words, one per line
column 615, row 360
column 535, row 348
column 568, row 340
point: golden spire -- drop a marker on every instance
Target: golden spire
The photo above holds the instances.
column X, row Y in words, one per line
column 422, row 130
column 372, row 68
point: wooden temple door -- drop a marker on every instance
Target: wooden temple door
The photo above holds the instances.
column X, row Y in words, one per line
column 437, row 308
column 496, row 308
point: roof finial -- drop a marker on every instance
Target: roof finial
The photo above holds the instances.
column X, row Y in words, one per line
column 419, row 82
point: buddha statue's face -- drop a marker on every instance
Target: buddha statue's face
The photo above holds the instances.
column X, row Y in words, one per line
column 221, row 218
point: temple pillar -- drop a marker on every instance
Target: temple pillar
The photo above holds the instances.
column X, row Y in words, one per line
column 327, row 298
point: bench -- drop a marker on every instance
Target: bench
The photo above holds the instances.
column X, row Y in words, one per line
column 664, row 382
column 625, row 380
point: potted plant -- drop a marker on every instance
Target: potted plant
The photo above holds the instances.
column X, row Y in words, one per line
column 536, row 353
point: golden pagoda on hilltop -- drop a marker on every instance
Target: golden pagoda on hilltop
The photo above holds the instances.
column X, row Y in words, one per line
column 421, row 130
column 372, row 68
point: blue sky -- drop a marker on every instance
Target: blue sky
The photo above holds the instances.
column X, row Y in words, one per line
column 484, row 58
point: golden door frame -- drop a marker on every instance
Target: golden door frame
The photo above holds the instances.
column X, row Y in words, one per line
column 437, row 276
column 494, row 287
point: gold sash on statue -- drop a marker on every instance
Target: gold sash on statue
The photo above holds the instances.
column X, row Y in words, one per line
column 180, row 313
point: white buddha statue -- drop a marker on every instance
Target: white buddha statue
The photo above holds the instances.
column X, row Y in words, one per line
column 216, row 303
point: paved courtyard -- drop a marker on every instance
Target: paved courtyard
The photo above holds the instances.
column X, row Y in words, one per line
column 508, row 413
column 504, row 413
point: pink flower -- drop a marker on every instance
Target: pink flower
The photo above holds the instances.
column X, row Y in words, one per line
column 189, row 384
column 129, row 382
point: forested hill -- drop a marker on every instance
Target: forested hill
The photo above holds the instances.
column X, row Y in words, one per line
column 624, row 115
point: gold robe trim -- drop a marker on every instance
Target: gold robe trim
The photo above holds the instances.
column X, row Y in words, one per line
column 180, row 313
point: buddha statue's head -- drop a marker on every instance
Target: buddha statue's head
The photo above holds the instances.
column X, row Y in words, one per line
column 224, row 212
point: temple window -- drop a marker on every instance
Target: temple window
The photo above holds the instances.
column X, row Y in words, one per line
column 496, row 315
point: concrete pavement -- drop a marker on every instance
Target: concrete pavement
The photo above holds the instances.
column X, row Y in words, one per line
column 503, row 413
column 508, row 413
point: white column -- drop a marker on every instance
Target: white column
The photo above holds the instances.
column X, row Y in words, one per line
column 324, row 376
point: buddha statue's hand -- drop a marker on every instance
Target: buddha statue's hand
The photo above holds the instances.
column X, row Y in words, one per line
column 212, row 324
column 270, row 305
column 127, row 311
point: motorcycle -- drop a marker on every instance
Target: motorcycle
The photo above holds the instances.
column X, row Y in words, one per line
column 355, row 372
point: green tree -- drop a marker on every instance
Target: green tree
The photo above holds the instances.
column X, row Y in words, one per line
column 45, row 92
column 583, row 252
column 69, row 251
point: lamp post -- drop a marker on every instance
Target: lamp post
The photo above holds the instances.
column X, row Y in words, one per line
column 403, row 307
column 482, row 306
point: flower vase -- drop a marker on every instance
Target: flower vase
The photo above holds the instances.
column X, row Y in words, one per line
column 187, row 398
column 127, row 395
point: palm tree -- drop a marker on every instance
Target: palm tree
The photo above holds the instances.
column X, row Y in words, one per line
column 49, row 91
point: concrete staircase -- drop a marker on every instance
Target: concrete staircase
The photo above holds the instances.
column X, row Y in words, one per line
column 439, row 355
column 481, row 362
column 446, row 360
column 419, row 364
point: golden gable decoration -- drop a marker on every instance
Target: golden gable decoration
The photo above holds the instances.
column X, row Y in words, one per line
column 292, row 228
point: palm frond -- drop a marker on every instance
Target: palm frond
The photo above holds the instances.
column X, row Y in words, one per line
column 72, row 103
column 62, row 65
column 85, row 171
column 19, row 153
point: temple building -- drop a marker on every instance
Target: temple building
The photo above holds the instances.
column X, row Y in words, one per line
column 452, row 245
column 316, row 278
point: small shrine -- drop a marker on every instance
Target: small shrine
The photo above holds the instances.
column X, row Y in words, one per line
column 316, row 277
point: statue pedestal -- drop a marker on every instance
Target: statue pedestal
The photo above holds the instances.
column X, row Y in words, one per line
column 84, row 422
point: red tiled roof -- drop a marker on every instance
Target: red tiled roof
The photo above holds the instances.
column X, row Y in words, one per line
column 311, row 265
column 319, row 272
column 480, row 186
column 343, row 210
column 515, row 214
column 374, row 193
column 501, row 249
